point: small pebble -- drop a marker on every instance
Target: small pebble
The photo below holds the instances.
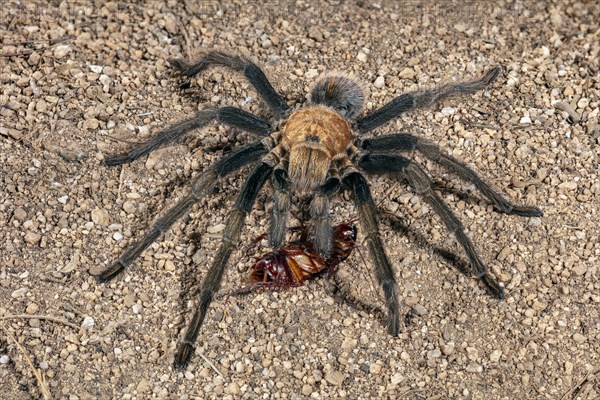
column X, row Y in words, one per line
column 215, row 229
column 311, row 73
column 525, row 120
column 433, row 354
column 579, row 338
column 87, row 322
column 100, row 217
column 19, row 214
column 334, row 377
column 232, row 388
column 32, row 309
column 396, row 378
column 407, row 73
column 420, row 310
column 474, row 367
column 379, row 82
column 32, row 237
column 495, row 356
column 307, row 390
column 19, row 293
column 62, row 50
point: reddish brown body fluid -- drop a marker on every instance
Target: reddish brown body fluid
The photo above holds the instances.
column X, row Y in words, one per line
column 292, row 265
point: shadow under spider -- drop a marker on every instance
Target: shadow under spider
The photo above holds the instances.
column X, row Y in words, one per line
column 397, row 224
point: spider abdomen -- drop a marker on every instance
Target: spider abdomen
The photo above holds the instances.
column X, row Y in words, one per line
column 314, row 137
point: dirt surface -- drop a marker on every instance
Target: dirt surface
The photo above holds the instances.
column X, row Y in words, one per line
column 84, row 80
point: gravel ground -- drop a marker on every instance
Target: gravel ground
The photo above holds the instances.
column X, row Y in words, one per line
column 82, row 80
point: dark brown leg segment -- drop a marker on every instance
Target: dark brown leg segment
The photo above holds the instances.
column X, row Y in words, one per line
column 200, row 188
column 421, row 183
column 281, row 207
column 212, row 282
column 422, row 99
column 319, row 212
column 383, row 269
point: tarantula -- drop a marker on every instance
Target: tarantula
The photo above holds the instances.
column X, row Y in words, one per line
column 314, row 150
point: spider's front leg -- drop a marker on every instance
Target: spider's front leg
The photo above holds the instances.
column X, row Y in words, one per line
column 422, row 99
column 231, row 236
column 241, row 64
column 232, row 116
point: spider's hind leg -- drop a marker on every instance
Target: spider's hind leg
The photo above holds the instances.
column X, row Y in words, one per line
column 340, row 92
column 421, row 183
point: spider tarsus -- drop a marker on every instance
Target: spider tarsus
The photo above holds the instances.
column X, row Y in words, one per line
column 493, row 287
column 119, row 159
column 393, row 325
column 491, row 75
column 179, row 64
column 525, row 211
column 108, row 274
column 182, row 359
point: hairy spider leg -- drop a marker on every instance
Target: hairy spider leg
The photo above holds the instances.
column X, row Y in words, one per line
column 213, row 278
column 422, row 185
column 383, row 269
column 281, row 207
column 201, row 186
column 422, row 99
column 232, row 116
column 322, row 229
column 239, row 64
column 408, row 142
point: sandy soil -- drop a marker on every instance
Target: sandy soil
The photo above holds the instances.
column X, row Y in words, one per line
column 82, row 80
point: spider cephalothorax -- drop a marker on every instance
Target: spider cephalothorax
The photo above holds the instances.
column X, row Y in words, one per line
column 315, row 138
column 315, row 150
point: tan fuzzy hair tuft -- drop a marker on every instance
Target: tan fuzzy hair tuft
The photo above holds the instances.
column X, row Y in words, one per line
column 308, row 167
